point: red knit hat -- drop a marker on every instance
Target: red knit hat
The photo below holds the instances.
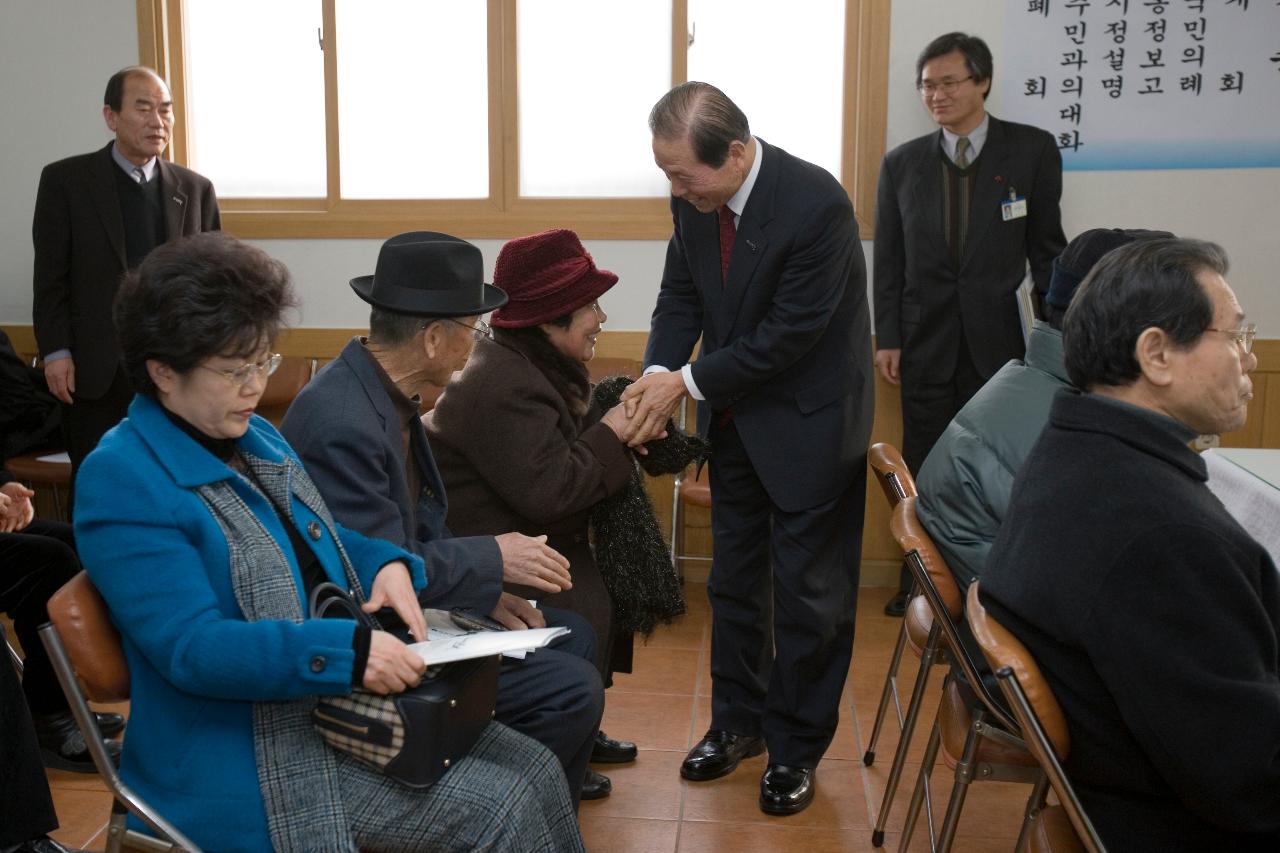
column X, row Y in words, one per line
column 546, row 275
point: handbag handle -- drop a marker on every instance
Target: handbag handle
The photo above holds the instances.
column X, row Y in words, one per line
column 328, row 598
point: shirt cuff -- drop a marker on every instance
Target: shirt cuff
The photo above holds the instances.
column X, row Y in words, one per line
column 57, row 355
column 686, row 373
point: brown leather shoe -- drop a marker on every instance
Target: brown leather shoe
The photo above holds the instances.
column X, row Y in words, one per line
column 718, row 754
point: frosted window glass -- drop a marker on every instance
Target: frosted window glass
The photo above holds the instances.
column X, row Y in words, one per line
column 588, row 73
column 413, row 99
column 255, row 80
column 786, row 71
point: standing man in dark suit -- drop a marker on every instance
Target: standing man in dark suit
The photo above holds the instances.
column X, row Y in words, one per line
column 97, row 216
column 765, row 265
column 960, row 213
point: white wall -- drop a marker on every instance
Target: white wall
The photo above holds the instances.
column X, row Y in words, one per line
column 55, row 57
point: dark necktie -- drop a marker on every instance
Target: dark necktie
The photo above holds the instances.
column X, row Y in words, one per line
column 727, row 233
column 962, row 152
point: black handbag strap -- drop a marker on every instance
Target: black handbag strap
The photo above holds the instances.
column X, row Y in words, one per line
column 329, row 599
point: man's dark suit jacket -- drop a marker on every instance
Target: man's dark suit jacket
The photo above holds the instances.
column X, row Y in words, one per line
column 921, row 300
column 80, row 255
column 346, row 429
column 786, row 340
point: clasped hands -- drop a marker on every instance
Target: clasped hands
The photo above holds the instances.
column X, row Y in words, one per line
column 647, row 404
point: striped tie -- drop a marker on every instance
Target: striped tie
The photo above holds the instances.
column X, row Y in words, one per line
column 962, row 152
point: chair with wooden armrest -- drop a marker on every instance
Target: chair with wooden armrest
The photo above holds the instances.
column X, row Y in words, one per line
column 84, row 648
column 895, row 480
column 975, row 735
column 1043, row 726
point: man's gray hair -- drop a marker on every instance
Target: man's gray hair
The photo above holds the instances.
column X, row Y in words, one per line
column 705, row 116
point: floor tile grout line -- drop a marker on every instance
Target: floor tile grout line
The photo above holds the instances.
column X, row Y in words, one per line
column 693, row 715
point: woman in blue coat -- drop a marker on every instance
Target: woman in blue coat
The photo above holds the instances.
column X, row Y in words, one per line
column 205, row 536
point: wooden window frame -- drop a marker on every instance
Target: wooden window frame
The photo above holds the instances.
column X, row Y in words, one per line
column 504, row 213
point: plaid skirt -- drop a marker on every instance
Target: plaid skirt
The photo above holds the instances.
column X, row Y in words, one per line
column 508, row 794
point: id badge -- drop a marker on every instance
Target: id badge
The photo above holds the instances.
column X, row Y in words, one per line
column 1014, row 207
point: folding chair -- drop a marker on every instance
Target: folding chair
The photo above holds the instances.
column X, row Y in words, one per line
column 1043, row 726
column 92, row 664
column 293, row 373
column 897, row 483
column 975, row 735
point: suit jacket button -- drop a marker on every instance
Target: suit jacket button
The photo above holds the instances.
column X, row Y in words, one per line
column 313, row 529
column 318, row 663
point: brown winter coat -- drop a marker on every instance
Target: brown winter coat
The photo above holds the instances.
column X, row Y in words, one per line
column 514, row 455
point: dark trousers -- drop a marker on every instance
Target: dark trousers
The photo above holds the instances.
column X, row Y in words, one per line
column 26, row 808
column 783, row 591
column 86, row 421
column 34, row 564
column 555, row 697
column 928, row 406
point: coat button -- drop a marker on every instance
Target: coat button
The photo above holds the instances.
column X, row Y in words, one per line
column 318, row 663
column 313, row 529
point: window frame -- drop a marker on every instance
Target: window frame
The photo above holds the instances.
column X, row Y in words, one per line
column 505, row 213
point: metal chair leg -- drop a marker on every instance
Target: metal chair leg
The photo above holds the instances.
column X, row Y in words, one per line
column 922, row 784
column 1035, row 805
column 889, row 693
column 960, row 788
column 927, row 658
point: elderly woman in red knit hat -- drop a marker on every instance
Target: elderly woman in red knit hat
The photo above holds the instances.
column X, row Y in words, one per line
column 518, row 443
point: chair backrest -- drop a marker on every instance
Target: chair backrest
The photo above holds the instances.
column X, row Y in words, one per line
column 1040, row 718
column 891, row 472
column 1003, row 649
column 91, row 641
column 934, row 578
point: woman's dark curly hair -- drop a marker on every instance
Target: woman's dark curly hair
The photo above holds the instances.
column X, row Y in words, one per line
column 195, row 298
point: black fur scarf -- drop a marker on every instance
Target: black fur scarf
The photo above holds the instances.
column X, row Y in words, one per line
column 634, row 560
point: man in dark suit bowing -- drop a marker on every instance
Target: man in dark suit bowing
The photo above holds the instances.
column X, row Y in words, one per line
column 960, row 213
column 765, row 265
column 98, row 215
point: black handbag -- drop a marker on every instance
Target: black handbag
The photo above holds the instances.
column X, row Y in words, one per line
column 414, row 736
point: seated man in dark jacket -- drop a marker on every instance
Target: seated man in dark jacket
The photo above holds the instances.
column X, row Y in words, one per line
column 966, row 479
column 1153, row 614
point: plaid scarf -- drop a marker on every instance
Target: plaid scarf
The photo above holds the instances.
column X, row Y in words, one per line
column 297, row 772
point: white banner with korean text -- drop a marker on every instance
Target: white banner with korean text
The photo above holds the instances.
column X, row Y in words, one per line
column 1147, row 84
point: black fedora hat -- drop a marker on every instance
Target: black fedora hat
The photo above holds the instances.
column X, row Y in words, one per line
column 429, row 274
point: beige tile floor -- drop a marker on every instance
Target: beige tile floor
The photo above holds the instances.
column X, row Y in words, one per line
column 664, row 706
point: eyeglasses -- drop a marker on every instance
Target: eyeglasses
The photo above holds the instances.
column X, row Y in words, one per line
column 238, row 376
column 946, row 87
column 1243, row 336
column 481, row 328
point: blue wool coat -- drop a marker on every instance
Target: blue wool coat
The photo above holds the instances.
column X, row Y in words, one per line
column 161, row 562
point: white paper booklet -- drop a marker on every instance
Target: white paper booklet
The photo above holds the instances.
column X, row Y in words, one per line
column 446, row 642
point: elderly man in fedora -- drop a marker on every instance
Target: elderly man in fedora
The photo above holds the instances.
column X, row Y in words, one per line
column 356, row 426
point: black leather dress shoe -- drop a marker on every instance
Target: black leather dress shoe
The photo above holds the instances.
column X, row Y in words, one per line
column 109, row 724
column 718, row 754
column 897, row 605
column 786, row 790
column 62, row 747
column 595, row 786
column 606, row 750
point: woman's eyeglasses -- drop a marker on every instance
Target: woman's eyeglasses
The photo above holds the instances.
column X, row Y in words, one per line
column 238, row 376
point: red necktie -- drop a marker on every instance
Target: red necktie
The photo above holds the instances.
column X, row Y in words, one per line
column 727, row 233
